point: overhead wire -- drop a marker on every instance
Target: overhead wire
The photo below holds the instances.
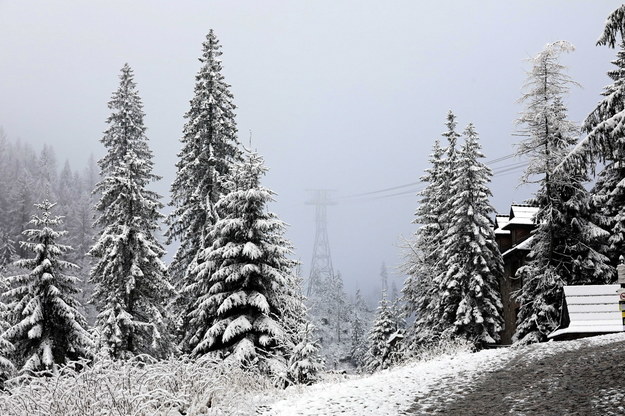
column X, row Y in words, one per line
column 373, row 195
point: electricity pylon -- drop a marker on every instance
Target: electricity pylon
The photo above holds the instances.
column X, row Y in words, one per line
column 321, row 265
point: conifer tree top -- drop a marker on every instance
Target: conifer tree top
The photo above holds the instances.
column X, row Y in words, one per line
column 614, row 25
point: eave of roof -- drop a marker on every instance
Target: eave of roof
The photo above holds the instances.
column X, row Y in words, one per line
column 522, row 246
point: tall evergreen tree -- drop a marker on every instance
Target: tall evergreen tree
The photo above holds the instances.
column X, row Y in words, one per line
column 21, row 208
column 614, row 26
column 383, row 340
column 6, row 348
column 358, row 339
column 339, row 308
column 209, row 147
column 66, row 191
column 242, row 278
column 7, row 249
column 605, row 142
column 470, row 305
column 46, row 175
column 46, row 328
column 425, row 263
column 359, row 328
column 419, row 290
column 564, row 246
column 132, row 286
column 304, row 362
column 6, row 182
column 91, row 174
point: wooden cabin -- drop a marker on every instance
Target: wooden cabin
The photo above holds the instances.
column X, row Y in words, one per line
column 513, row 235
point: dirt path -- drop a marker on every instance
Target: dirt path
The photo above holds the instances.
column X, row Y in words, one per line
column 589, row 381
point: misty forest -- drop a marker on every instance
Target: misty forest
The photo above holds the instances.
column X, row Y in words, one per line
column 116, row 299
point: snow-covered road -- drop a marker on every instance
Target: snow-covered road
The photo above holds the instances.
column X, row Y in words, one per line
column 389, row 392
column 423, row 387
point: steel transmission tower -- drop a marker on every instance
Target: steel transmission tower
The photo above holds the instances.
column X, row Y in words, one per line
column 321, row 265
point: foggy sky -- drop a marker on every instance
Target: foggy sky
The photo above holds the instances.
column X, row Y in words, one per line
column 346, row 95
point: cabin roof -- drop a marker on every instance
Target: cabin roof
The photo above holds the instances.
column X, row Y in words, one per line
column 521, row 215
column 500, row 221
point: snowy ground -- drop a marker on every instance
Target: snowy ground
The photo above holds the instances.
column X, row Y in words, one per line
column 580, row 377
column 386, row 393
column 392, row 392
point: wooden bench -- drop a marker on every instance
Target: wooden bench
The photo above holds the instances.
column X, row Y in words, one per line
column 589, row 310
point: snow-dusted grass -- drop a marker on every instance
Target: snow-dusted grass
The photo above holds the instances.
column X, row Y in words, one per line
column 171, row 387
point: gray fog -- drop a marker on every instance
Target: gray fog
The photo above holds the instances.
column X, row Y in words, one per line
column 344, row 95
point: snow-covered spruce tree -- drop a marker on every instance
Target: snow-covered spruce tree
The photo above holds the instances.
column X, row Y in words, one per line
column 564, row 246
column 394, row 292
column 21, row 208
column 6, row 184
column 425, row 261
column 469, row 301
column 7, row 249
column 46, row 328
column 605, row 142
column 383, row 342
column 45, row 183
column 242, row 277
column 614, row 26
column 209, row 148
column 131, row 283
column 358, row 348
column 423, row 257
column 331, row 314
column 304, row 362
column 81, row 231
column 339, row 308
column 360, row 323
column 6, row 348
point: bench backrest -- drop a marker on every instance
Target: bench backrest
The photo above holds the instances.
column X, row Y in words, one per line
column 593, row 303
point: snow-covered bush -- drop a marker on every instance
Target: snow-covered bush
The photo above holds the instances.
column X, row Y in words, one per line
column 140, row 386
column 441, row 347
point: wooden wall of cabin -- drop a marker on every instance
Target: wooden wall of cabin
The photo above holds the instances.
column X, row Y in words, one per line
column 508, row 285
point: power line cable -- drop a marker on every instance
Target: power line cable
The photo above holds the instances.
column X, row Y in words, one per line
column 501, row 171
column 394, row 188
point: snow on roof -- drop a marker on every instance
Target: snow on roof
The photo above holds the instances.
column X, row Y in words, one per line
column 523, row 245
column 500, row 221
column 592, row 309
column 521, row 215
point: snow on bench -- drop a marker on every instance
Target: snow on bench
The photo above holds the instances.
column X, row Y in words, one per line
column 589, row 309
